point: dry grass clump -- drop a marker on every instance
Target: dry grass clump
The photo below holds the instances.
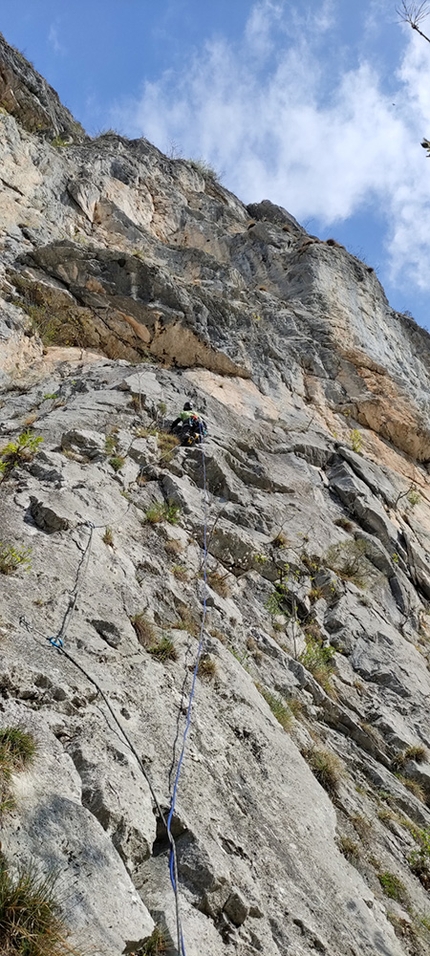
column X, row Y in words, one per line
column 218, row 635
column 173, row 546
column 108, row 537
column 187, row 621
column 218, row 582
column 30, row 919
column 145, row 631
column 164, row 650
column 362, row 826
column 349, row 848
column 180, row 572
column 413, row 786
column 326, row 767
column 416, row 752
column 279, row 709
column 17, row 750
column 254, row 650
column 17, row 746
column 207, row 667
column 167, row 444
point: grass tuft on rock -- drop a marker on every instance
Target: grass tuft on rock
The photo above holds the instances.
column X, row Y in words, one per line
column 164, row 650
column 145, row 631
column 392, row 886
column 12, row 558
column 279, row 710
column 326, row 767
column 17, row 747
column 156, row 944
column 207, row 668
column 318, row 659
column 30, row 916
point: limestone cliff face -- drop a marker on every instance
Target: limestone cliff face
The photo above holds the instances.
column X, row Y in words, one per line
column 128, row 283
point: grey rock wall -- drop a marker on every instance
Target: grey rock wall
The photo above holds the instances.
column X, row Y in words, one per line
column 130, row 282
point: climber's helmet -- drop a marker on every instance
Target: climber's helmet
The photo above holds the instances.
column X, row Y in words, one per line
column 188, row 407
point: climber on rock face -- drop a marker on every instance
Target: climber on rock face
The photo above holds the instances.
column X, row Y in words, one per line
column 189, row 426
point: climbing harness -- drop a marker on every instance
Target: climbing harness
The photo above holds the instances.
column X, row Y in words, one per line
column 57, row 641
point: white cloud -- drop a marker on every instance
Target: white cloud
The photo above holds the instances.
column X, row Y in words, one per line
column 273, row 116
column 54, row 40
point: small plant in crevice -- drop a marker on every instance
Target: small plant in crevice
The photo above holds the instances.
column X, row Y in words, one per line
column 345, row 524
column 12, row 558
column 207, row 667
column 393, row 886
column 172, row 512
column 348, row 561
column 413, row 497
column 155, row 513
column 59, row 142
column 164, row 649
column 419, row 859
column 108, row 538
column 349, row 848
column 411, row 494
column 413, row 786
column 318, row 659
column 156, row 944
column 326, row 767
column 180, row 572
column 117, row 462
column 19, row 452
column 145, row 631
column 218, row 582
column 416, row 752
column 279, row 709
column 163, row 511
column 356, row 440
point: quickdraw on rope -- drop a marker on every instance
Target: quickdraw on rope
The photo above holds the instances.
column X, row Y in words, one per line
column 173, row 867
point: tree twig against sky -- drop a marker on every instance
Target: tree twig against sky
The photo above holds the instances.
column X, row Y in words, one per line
column 414, row 13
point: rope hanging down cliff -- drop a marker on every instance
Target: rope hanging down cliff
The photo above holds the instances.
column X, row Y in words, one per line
column 173, row 859
column 57, row 641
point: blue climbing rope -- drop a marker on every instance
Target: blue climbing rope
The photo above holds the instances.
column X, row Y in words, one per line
column 173, row 867
column 57, row 641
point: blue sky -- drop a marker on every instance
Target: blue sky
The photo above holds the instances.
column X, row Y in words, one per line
column 318, row 105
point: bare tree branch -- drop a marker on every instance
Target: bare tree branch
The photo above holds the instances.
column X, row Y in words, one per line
column 414, row 13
